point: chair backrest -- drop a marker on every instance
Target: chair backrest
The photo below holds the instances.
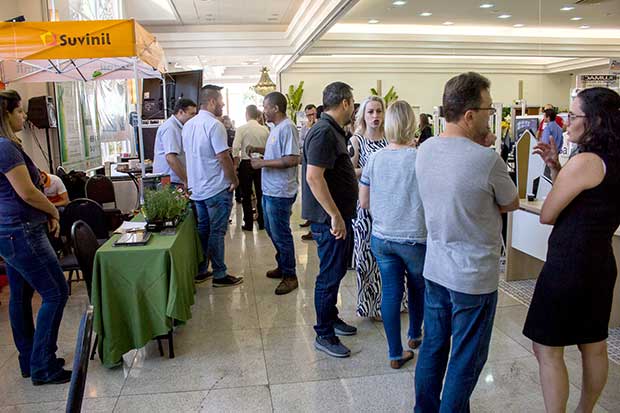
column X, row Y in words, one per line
column 88, row 211
column 100, row 188
column 85, row 247
column 80, row 363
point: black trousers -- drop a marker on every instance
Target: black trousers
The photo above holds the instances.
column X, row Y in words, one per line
column 249, row 177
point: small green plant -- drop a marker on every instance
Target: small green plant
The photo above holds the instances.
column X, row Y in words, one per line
column 165, row 204
column 294, row 100
column 389, row 97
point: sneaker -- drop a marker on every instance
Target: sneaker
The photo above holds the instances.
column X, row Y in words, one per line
column 287, row 285
column 63, row 377
column 307, row 237
column 332, row 346
column 305, row 224
column 202, row 277
column 343, row 329
column 274, row 273
column 227, row 281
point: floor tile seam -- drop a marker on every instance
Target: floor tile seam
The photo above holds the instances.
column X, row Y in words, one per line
column 198, row 390
column 339, row 377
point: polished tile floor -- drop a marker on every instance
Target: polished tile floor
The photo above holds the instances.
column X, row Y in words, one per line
column 247, row 350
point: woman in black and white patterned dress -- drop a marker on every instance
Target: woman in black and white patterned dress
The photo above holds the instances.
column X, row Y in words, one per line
column 368, row 138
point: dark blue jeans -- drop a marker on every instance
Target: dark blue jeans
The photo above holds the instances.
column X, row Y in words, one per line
column 32, row 265
column 213, row 214
column 468, row 319
column 333, row 258
column 398, row 261
column 277, row 216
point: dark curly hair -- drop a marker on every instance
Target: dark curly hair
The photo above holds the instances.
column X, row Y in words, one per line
column 602, row 123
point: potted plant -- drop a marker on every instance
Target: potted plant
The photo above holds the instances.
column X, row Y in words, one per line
column 294, row 100
column 389, row 97
column 164, row 208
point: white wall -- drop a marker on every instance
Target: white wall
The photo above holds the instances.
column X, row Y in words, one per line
column 425, row 90
column 32, row 10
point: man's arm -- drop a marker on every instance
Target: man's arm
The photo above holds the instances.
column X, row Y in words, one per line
column 64, row 200
column 177, row 166
column 513, row 206
column 281, row 163
column 315, row 176
column 228, row 167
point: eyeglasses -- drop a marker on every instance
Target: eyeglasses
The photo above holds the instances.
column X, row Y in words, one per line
column 572, row 116
column 491, row 110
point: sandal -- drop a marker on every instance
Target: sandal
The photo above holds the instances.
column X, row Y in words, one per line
column 397, row 364
column 414, row 343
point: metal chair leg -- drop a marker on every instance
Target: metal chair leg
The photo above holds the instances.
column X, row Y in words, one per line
column 161, row 348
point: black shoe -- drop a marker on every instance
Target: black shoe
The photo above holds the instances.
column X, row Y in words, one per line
column 332, row 346
column 227, row 281
column 63, row 377
column 305, row 224
column 343, row 329
column 307, row 237
column 248, row 228
column 60, row 361
column 202, row 277
column 261, row 227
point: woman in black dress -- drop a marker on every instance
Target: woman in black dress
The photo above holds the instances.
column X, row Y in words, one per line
column 573, row 296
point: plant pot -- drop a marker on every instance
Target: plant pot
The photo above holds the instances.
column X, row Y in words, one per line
column 173, row 222
column 154, row 226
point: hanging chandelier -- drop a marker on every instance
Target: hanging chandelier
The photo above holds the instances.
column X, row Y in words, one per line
column 265, row 85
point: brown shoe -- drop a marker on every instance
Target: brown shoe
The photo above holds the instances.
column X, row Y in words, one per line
column 307, row 237
column 414, row 343
column 274, row 273
column 407, row 355
column 287, row 285
column 305, row 224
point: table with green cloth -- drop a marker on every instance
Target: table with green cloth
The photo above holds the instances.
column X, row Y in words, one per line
column 140, row 292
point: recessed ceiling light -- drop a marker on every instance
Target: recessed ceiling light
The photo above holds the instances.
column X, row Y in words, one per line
column 518, row 25
column 487, row 5
column 448, row 23
column 426, row 14
column 373, row 21
column 585, row 26
column 399, row 3
column 504, row 16
column 576, row 19
column 568, row 8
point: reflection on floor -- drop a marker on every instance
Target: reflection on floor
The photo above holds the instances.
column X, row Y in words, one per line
column 247, row 350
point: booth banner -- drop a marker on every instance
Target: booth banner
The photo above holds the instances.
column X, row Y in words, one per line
column 90, row 123
column 69, row 125
column 113, row 118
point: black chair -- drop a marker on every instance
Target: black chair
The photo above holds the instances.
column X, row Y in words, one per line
column 85, row 246
column 80, row 363
column 100, row 189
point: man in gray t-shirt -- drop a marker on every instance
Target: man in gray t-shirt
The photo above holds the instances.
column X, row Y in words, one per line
column 464, row 187
column 279, row 184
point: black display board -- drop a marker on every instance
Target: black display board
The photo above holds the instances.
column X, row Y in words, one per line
column 178, row 85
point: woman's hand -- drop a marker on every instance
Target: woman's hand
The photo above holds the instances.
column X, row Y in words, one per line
column 53, row 225
column 549, row 153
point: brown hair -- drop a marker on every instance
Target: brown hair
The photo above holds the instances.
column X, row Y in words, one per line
column 462, row 93
column 9, row 100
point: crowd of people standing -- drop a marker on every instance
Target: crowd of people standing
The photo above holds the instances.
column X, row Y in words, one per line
column 419, row 214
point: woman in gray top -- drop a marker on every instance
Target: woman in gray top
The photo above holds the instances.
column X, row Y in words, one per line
column 389, row 188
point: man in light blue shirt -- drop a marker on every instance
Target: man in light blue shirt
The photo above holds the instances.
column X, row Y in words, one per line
column 212, row 180
column 552, row 129
column 169, row 155
column 279, row 182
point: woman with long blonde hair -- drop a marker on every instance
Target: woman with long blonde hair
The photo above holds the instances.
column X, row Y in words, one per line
column 369, row 137
column 31, row 263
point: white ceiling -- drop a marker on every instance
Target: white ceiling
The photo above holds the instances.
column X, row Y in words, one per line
column 213, row 12
column 602, row 14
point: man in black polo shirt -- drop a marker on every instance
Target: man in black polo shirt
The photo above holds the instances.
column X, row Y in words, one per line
column 329, row 200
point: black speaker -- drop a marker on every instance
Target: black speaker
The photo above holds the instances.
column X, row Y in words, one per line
column 41, row 112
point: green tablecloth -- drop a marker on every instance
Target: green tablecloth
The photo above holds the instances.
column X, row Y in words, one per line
column 138, row 291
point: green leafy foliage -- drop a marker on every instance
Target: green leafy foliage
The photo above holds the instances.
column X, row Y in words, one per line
column 389, row 97
column 293, row 97
column 165, row 204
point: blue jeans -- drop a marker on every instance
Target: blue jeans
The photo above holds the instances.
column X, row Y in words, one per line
column 396, row 261
column 31, row 264
column 277, row 217
column 213, row 214
column 469, row 320
column 333, row 258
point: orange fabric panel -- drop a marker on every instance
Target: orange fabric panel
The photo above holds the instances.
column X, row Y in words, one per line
column 67, row 39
